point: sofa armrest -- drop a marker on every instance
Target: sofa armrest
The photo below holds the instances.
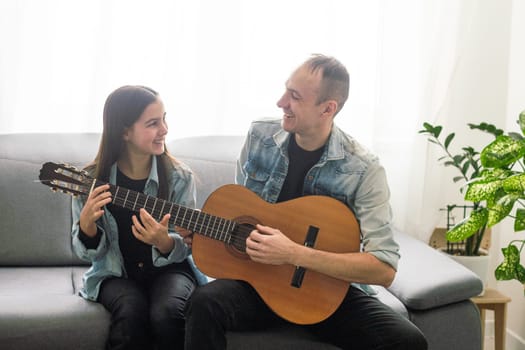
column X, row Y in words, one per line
column 427, row 278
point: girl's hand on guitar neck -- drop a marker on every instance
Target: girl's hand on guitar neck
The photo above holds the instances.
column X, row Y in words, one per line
column 270, row 246
column 149, row 231
column 92, row 210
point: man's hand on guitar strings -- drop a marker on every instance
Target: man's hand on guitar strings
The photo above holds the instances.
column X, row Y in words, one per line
column 270, row 246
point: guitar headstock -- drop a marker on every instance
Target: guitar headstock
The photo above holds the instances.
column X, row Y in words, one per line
column 65, row 178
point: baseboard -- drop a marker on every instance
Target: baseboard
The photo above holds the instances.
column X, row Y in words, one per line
column 513, row 340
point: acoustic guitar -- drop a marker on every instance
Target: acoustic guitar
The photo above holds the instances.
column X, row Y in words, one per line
column 228, row 216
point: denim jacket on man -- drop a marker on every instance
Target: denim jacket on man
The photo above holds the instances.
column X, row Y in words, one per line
column 345, row 171
column 106, row 260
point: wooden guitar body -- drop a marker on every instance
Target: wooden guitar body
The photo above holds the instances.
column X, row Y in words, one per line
column 319, row 295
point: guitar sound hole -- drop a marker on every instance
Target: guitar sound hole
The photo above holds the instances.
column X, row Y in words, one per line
column 239, row 235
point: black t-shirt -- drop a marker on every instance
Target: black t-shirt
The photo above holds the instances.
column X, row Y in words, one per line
column 301, row 161
column 137, row 254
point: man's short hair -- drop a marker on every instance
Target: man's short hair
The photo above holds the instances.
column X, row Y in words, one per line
column 335, row 80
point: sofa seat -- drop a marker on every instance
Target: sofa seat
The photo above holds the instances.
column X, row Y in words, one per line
column 41, row 309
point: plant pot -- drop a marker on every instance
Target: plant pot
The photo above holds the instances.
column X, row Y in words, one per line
column 477, row 264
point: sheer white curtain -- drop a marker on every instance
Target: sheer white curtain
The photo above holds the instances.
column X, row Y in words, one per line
column 220, row 64
column 217, row 64
column 416, row 74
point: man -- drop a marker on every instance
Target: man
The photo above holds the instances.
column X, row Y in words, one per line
column 306, row 154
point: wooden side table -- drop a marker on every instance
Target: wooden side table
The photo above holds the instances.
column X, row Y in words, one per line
column 497, row 302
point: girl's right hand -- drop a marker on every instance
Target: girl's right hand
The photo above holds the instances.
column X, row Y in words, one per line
column 92, row 210
column 187, row 235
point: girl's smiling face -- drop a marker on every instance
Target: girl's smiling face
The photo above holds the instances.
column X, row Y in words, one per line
column 147, row 135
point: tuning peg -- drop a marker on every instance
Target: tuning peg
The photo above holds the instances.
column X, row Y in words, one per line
column 54, row 189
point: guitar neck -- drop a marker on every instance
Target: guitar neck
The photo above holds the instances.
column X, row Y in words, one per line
column 191, row 219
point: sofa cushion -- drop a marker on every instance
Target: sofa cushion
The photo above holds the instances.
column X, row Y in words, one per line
column 41, row 309
column 387, row 298
column 430, row 279
column 36, row 223
column 52, row 322
column 34, row 229
column 19, row 281
column 209, row 176
column 213, row 162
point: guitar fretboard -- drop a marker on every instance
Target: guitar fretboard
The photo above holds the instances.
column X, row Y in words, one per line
column 191, row 219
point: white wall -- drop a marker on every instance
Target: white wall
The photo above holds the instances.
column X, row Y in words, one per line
column 478, row 88
column 489, row 85
column 515, row 104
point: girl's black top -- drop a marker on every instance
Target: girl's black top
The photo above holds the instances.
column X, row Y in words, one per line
column 136, row 254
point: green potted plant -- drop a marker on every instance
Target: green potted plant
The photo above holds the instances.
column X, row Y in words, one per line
column 467, row 163
column 500, row 186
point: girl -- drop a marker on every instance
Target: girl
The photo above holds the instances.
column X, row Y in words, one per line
column 142, row 272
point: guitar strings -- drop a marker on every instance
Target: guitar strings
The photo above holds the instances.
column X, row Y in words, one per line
column 205, row 224
column 231, row 231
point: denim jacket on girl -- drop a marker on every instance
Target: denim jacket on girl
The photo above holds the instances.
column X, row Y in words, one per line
column 106, row 260
column 345, row 171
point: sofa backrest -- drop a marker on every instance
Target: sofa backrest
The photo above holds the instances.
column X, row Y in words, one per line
column 35, row 223
column 212, row 159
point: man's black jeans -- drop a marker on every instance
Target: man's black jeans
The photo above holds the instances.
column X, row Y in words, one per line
column 361, row 322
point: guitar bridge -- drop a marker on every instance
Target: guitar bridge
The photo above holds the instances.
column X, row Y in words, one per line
column 298, row 275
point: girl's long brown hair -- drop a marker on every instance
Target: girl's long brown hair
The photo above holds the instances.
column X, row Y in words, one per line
column 122, row 109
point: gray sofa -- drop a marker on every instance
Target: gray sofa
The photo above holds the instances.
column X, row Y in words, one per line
column 40, row 276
